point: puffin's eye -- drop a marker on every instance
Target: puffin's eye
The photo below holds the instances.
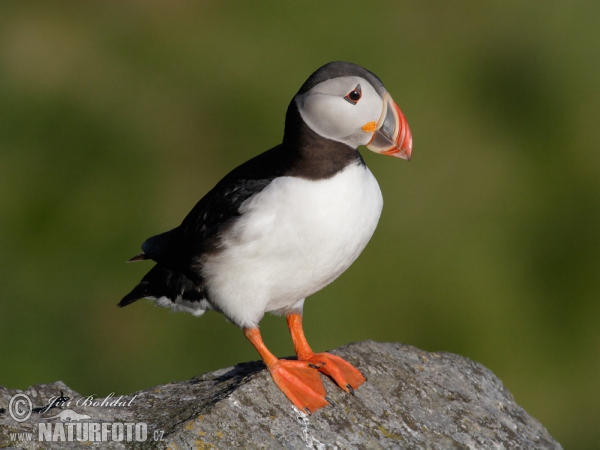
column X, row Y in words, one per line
column 354, row 96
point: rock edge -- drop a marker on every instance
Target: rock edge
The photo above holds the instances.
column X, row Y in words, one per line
column 412, row 399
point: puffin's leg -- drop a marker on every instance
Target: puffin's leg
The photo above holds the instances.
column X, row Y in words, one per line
column 296, row 379
column 342, row 372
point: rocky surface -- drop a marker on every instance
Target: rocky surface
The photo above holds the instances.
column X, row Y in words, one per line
column 412, row 399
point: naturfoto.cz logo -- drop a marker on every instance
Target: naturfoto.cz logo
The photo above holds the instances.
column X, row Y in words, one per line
column 68, row 425
column 92, row 432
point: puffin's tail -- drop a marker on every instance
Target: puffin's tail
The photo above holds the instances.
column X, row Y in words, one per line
column 139, row 257
column 162, row 282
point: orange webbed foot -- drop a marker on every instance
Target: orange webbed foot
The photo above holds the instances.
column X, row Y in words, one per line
column 298, row 380
column 341, row 371
column 300, row 383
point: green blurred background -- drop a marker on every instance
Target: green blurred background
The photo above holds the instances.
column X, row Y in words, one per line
column 116, row 117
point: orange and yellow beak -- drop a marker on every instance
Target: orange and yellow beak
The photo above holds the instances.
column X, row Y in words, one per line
column 391, row 135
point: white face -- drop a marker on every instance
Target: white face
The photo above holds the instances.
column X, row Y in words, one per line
column 329, row 109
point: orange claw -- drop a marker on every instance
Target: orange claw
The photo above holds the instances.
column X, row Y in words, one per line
column 300, row 383
column 296, row 379
column 342, row 372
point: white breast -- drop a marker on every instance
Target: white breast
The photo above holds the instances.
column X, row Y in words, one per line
column 294, row 238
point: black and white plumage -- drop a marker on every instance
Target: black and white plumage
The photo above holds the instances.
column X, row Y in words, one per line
column 289, row 221
column 284, row 224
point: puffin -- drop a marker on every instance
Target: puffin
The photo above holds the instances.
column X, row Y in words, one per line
column 285, row 224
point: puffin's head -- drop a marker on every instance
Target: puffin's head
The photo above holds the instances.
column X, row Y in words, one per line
column 344, row 102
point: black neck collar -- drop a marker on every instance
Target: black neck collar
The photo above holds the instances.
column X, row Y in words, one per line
column 312, row 156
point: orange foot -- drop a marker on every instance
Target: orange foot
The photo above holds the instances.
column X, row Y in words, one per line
column 342, row 372
column 297, row 379
column 300, row 383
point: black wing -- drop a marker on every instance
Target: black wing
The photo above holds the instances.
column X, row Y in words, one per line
column 200, row 229
column 178, row 251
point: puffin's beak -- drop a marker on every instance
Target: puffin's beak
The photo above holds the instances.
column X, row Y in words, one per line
column 392, row 135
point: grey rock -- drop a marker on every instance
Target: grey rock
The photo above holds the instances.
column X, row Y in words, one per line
column 412, row 399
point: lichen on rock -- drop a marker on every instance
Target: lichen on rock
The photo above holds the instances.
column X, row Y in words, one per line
column 412, row 399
